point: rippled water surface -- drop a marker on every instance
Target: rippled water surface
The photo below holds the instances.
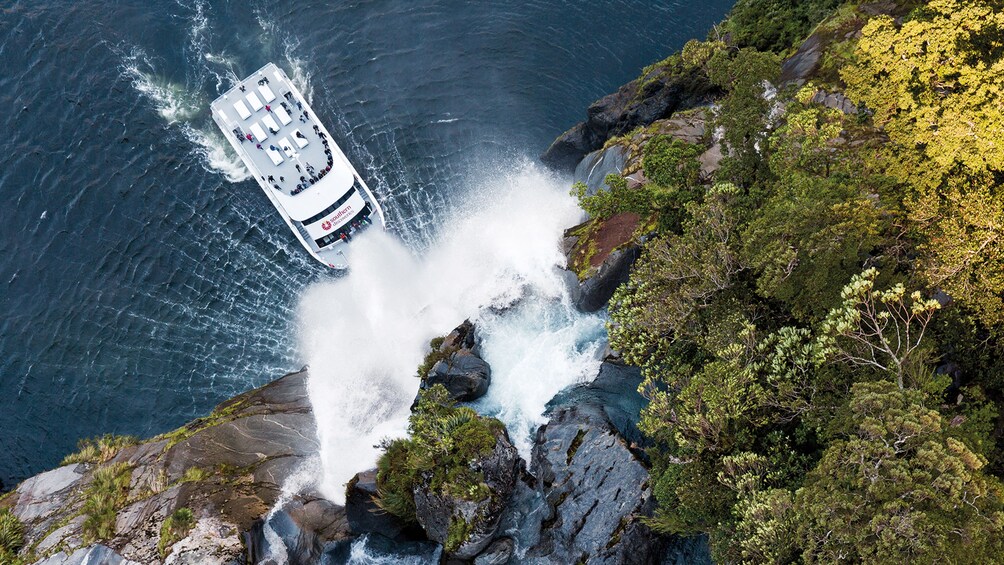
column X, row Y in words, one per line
column 143, row 278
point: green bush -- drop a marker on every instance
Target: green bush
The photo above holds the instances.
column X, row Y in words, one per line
column 672, row 163
column 776, row 25
column 11, row 533
column 616, row 199
column 195, row 474
column 103, row 498
column 444, row 440
column 434, row 356
column 174, row 529
column 99, row 449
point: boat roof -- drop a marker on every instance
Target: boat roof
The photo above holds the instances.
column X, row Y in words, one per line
column 267, row 107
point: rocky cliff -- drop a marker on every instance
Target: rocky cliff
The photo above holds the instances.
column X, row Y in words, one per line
column 225, row 471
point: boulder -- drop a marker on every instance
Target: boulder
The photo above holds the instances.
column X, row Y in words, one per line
column 651, row 97
column 593, row 292
column 464, row 374
column 437, row 511
column 364, row 516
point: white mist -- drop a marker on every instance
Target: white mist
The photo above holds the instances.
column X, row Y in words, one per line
column 364, row 335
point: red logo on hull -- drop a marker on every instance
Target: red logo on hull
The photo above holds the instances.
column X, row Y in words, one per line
column 326, row 225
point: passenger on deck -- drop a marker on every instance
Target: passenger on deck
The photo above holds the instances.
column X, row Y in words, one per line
column 268, row 108
column 248, row 136
column 300, row 135
column 271, row 178
column 242, row 88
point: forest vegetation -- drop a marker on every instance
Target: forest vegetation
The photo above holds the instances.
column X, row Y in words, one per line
column 821, row 325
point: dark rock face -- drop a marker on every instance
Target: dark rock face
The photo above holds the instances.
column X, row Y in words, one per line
column 591, row 489
column 798, row 68
column 364, row 516
column 594, row 292
column 498, row 553
column 615, row 392
column 464, row 374
column 227, row 468
column 435, row 511
column 596, row 489
column 594, row 167
column 638, row 103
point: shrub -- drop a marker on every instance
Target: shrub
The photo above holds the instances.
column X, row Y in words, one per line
column 99, row 449
column 435, row 355
column 444, row 440
column 195, row 474
column 11, row 533
column 776, row 25
column 103, row 498
column 671, row 162
column 617, row 199
column 174, row 529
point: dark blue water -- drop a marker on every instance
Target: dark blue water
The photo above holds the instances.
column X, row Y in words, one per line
column 141, row 281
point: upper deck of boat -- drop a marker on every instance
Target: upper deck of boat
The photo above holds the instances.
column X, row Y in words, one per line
column 282, row 142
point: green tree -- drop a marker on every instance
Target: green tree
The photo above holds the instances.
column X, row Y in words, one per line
column 775, row 25
column 881, row 329
column 677, row 279
column 898, row 489
column 744, row 112
column 934, row 84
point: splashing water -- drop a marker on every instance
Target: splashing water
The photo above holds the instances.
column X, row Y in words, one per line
column 364, row 335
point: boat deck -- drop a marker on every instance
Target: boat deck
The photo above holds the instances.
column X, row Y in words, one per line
column 277, row 131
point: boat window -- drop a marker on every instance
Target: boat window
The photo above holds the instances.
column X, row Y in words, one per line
column 336, row 235
column 320, row 215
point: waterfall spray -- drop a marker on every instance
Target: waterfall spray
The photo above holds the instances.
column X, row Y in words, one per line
column 364, row 335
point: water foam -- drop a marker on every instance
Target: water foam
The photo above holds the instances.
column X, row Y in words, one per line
column 363, row 335
column 181, row 106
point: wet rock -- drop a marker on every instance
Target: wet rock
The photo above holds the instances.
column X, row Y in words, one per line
column 614, row 391
column 596, row 489
column 798, row 68
column 86, row 556
column 498, row 553
column 364, row 516
column 590, row 489
column 464, row 374
column 638, row 103
column 436, row 511
column 593, row 293
column 594, row 167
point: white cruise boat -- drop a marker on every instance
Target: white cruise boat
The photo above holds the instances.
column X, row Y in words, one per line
column 302, row 170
